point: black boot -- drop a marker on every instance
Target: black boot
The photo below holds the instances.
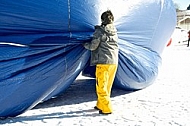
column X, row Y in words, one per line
column 97, row 108
column 100, row 112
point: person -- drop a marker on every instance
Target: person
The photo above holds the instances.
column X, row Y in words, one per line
column 188, row 38
column 104, row 54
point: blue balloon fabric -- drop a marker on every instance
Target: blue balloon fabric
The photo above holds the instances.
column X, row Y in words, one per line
column 41, row 52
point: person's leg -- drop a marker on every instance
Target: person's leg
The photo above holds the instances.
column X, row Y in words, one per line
column 188, row 42
column 112, row 72
column 101, row 84
column 105, row 75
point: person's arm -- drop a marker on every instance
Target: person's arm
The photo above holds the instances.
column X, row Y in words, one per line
column 95, row 41
column 92, row 45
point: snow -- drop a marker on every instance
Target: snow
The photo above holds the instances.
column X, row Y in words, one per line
column 164, row 103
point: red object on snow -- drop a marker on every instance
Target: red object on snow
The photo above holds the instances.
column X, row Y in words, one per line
column 169, row 43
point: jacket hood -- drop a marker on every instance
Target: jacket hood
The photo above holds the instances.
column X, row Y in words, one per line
column 110, row 29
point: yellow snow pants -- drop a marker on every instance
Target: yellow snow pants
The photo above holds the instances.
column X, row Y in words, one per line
column 105, row 74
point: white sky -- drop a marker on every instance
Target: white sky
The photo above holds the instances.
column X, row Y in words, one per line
column 183, row 4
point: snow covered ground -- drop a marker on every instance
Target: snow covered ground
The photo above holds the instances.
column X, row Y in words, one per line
column 164, row 103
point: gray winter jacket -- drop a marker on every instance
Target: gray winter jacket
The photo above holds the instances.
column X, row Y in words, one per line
column 104, row 46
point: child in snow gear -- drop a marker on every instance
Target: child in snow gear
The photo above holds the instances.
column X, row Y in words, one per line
column 104, row 54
